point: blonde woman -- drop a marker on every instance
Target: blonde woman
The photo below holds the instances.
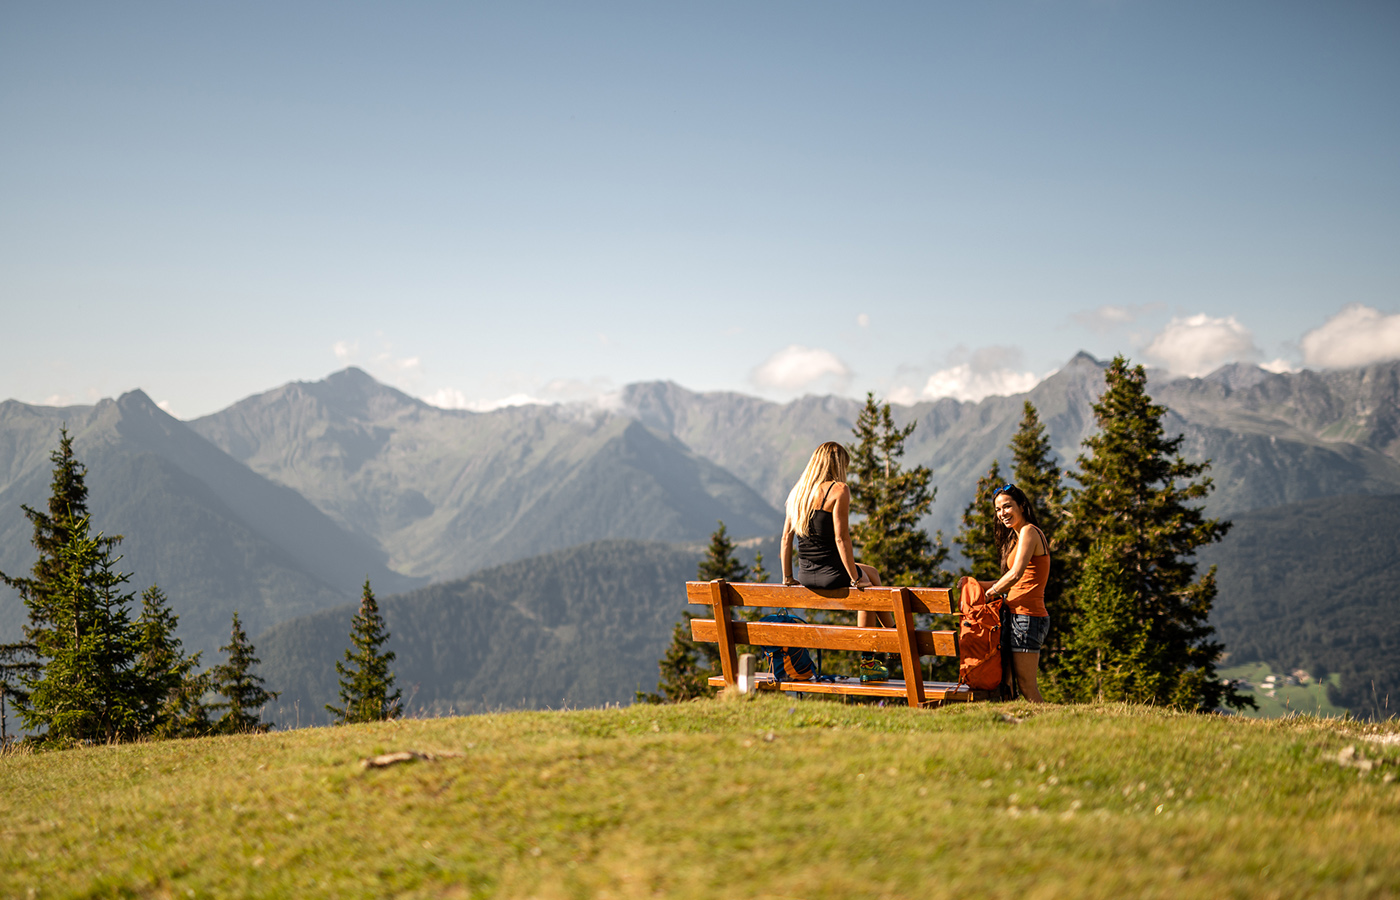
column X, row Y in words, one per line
column 819, row 514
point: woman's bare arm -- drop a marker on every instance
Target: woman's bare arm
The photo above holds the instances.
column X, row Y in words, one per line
column 1026, row 542
column 785, row 553
column 841, row 516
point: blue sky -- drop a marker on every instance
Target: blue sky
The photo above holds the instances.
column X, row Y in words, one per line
column 552, row 200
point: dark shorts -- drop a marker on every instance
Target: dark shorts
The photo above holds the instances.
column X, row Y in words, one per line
column 1028, row 633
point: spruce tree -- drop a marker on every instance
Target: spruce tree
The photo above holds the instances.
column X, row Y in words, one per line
column 367, row 692
column 1112, row 656
column 719, row 561
column 173, row 689
column 890, row 502
column 1136, row 501
column 52, row 529
column 758, row 574
column 88, row 689
column 18, row 662
column 243, row 692
column 688, row 664
column 975, row 540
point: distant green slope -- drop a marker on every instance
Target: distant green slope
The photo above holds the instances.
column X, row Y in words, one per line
column 577, row 627
column 1316, row 585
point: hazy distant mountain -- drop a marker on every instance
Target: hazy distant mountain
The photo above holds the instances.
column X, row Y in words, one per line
column 215, row 535
column 1271, row 439
column 577, row 627
column 446, row 492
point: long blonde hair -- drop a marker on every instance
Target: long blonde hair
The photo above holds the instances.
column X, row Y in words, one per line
column 828, row 463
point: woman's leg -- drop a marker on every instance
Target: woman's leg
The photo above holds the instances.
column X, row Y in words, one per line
column 863, row 616
column 1027, row 665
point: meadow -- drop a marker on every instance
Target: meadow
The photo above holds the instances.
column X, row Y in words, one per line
column 768, row 796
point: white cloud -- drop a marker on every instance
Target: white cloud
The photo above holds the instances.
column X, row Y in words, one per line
column 1278, row 366
column 1200, row 344
column 963, row 382
column 1356, row 336
column 974, row 375
column 796, row 368
column 345, row 350
column 451, row 398
column 166, row 408
column 863, row 320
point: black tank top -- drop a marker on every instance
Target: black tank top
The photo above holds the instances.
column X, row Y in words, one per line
column 819, row 563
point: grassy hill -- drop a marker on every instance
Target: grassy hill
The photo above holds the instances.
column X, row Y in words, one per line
column 771, row 797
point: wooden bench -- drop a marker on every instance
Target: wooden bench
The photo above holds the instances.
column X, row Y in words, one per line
column 904, row 639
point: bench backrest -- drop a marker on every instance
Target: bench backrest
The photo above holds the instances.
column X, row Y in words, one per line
column 903, row 602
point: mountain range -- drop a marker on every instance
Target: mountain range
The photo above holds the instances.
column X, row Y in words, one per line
column 282, row 504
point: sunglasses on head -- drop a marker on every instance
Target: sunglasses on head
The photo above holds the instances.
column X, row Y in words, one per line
column 1002, row 489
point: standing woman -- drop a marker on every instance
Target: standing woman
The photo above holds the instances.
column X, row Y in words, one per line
column 1025, row 560
column 819, row 513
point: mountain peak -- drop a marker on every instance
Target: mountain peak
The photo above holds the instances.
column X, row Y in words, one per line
column 1083, row 359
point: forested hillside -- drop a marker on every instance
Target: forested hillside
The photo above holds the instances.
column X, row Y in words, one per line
column 578, row 627
column 1316, row 585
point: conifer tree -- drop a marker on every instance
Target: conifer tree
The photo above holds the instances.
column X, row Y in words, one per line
column 688, row 664
column 18, row 662
column 243, row 692
column 52, row 529
column 758, row 575
column 1112, row 656
column 173, row 688
column 891, row 501
column 88, row 688
column 719, row 561
column 1136, row 502
column 975, row 540
column 367, row 692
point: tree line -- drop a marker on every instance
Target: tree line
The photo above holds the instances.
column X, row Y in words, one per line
column 1129, row 610
column 89, row 671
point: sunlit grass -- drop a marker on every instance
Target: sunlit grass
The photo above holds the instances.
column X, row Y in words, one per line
column 770, row 797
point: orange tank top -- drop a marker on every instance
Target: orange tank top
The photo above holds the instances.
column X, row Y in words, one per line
column 1027, row 596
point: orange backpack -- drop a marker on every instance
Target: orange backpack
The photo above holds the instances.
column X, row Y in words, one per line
column 979, row 639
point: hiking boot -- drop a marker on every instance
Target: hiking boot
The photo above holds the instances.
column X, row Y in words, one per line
column 872, row 669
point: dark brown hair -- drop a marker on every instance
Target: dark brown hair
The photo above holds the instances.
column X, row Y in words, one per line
column 1004, row 537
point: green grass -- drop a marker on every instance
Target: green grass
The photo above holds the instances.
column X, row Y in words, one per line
column 770, row 797
column 1308, row 699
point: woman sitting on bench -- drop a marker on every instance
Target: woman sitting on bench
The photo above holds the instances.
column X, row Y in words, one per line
column 819, row 512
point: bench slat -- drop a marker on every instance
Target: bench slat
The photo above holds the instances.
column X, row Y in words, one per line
column 825, row 637
column 921, row 599
column 934, row 691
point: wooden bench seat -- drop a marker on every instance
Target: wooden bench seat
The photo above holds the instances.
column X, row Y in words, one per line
column 904, row 639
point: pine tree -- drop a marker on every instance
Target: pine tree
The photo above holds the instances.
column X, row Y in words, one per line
column 891, row 501
column 688, row 664
column 243, row 692
column 758, row 575
column 1112, row 656
column 88, row 688
column 52, row 529
column 975, row 540
column 365, row 680
column 18, row 662
column 173, row 690
column 719, row 561
column 1135, row 501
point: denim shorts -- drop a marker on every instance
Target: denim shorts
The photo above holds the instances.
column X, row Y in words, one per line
column 1028, row 633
